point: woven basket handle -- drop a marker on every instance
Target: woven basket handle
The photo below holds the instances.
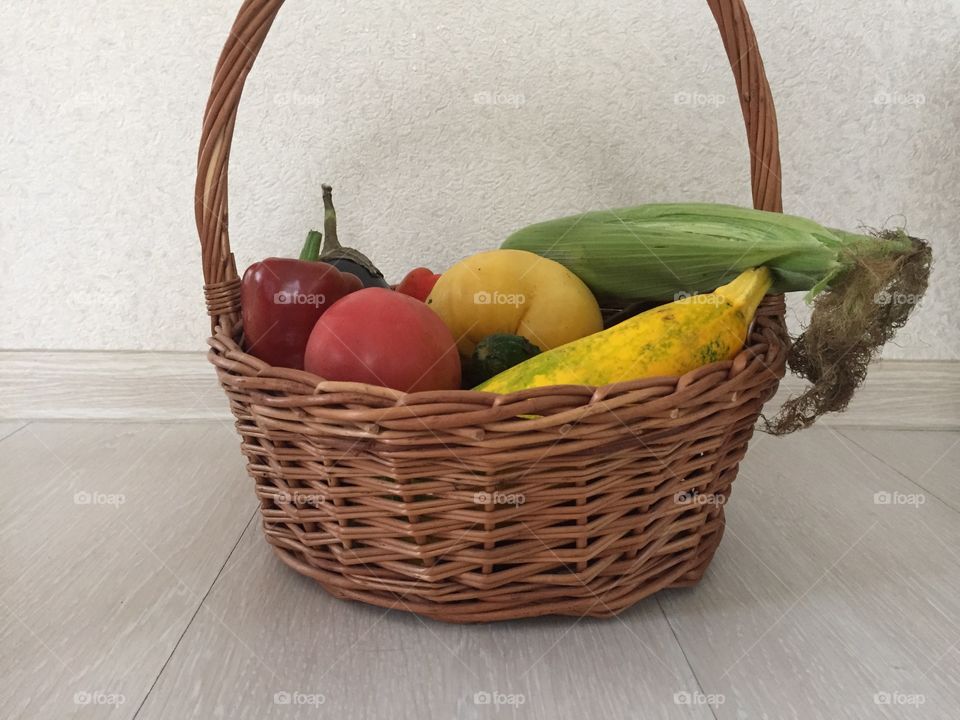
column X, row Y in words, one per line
column 253, row 22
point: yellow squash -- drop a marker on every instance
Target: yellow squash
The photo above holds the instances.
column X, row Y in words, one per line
column 514, row 292
column 669, row 340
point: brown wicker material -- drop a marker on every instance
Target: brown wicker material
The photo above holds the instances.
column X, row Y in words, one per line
column 452, row 505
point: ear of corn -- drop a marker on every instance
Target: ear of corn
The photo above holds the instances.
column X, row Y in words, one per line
column 669, row 340
column 661, row 252
column 655, row 252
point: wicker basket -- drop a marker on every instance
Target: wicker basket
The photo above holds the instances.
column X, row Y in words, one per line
column 447, row 503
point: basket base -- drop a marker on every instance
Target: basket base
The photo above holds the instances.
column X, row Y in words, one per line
column 604, row 601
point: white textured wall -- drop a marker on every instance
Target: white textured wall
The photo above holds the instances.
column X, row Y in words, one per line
column 100, row 107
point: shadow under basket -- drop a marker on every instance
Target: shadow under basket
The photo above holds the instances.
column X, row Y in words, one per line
column 467, row 506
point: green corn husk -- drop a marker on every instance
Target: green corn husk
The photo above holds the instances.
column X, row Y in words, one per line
column 652, row 252
column 862, row 287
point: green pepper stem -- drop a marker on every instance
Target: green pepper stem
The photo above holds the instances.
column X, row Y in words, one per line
column 311, row 248
column 329, row 221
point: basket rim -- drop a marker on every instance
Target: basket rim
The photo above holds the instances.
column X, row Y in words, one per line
column 767, row 344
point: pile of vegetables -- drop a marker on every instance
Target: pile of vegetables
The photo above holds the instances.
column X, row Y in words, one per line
column 528, row 314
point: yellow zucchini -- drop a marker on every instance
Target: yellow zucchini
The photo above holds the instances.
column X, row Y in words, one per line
column 668, row 340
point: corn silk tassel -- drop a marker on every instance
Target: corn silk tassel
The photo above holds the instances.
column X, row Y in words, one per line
column 862, row 287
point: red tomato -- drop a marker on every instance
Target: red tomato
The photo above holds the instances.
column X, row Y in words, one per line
column 382, row 337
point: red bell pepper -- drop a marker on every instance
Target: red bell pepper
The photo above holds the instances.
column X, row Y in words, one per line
column 418, row 283
column 282, row 299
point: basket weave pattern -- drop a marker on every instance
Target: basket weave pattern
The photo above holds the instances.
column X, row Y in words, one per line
column 468, row 506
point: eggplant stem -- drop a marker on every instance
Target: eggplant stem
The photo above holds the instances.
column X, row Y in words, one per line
column 332, row 242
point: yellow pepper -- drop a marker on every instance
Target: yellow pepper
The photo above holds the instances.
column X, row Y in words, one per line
column 514, row 292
